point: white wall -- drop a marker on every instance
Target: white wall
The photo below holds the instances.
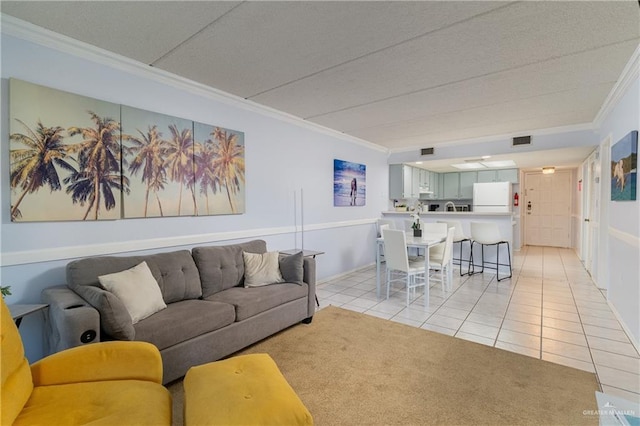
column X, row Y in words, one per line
column 282, row 155
column 622, row 230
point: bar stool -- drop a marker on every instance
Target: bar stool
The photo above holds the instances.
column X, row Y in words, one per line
column 488, row 234
column 459, row 237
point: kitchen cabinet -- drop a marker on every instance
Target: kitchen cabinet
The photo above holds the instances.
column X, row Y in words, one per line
column 450, row 185
column 434, row 184
column 401, row 182
column 415, row 182
column 467, row 179
column 506, row 175
column 458, row 185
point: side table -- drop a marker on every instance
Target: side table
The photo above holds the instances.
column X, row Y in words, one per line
column 305, row 253
column 20, row 311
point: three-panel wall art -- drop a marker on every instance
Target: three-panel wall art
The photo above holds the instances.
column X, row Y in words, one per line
column 78, row 158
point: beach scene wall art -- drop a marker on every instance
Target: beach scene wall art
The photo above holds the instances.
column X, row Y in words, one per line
column 64, row 154
column 219, row 170
column 349, row 183
column 624, row 168
column 78, row 158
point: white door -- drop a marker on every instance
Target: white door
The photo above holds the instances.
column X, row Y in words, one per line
column 585, row 247
column 547, row 204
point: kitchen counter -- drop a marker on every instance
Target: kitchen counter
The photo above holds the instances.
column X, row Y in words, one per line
column 437, row 214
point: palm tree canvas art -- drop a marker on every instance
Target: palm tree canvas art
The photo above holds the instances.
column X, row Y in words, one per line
column 77, row 158
column 158, row 152
column 219, row 170
column 64, row 156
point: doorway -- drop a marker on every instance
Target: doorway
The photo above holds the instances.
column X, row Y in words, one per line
column 547, row 209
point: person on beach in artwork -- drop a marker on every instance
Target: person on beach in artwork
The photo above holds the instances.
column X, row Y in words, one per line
column 354, row 190
column 618, row 173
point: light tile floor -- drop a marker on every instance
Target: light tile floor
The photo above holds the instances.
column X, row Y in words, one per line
column 549, row 310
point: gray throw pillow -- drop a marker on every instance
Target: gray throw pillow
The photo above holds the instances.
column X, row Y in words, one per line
column 114, row 317
column 292, row 268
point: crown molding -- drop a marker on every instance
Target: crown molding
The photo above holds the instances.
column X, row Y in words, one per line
column 32, row 33
column 629, row 75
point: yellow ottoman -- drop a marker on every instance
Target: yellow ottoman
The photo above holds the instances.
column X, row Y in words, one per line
column 243, row 390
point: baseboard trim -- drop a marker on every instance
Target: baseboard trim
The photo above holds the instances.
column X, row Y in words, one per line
column 72, row 252
column 635, row 343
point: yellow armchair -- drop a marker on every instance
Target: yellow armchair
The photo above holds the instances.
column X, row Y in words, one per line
column 102, row 383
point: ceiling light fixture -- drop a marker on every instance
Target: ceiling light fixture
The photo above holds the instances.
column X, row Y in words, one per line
column 548, row 170
column 486, row 157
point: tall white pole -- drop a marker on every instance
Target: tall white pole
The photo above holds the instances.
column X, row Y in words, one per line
column 295, row 220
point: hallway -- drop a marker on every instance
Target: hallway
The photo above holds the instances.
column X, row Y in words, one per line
column 549, row 310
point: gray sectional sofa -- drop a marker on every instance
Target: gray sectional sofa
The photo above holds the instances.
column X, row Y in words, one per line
column 209, row 313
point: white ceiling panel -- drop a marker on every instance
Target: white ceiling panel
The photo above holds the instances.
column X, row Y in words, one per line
column 141, row 30
column 264, row 45
column 557, row 75
column 535, row 111
column 494, row 42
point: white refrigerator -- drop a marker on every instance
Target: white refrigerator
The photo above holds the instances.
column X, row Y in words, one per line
column 492, row 197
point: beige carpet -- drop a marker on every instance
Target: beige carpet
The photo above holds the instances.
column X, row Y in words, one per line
column 354, row 369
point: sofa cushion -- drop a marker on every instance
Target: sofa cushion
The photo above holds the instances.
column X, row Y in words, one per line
column 114, row 317
column 261, row 269
column 175, row 272
column 292, row 267
column 184, row 320
column 254, row 300
column 222, row 267
column 137, row 289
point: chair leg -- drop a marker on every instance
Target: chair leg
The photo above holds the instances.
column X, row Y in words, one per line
column 498, row 262
column 409, row 278
column 470, row 268
column 388, row 281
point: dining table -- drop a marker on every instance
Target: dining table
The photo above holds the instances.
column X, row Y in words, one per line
column 426, row 241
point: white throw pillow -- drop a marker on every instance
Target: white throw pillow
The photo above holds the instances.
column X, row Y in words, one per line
column 261, row 269
column 137, row 289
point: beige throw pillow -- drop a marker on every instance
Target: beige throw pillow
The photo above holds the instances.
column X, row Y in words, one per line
column 261, row 269
column 137, row 289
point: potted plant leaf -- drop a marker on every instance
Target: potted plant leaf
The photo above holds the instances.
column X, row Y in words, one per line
column 417, row 230
column 5, row 290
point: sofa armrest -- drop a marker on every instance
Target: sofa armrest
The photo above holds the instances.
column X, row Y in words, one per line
column 100, row 362
column 70, row 320
column 309, row 277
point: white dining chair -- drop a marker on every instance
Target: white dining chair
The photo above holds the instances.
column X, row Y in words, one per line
column 459, row 238
column 390, row 224
column 435, row 228
column 398, row 267
column 442, row 262
column 488, row 234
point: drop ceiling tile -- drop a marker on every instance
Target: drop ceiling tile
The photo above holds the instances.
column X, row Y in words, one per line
column 501, row 118
column 579, row 72
column 141, row 30
column 262, row 45
column 511, row 37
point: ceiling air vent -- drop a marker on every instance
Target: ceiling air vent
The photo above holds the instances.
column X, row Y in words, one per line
column 426, row 151
column 522, row 140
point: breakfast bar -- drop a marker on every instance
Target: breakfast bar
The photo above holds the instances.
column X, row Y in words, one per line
column 506, row 223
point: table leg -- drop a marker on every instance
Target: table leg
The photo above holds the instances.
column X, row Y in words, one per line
column 426, row 277
column 378, row 270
